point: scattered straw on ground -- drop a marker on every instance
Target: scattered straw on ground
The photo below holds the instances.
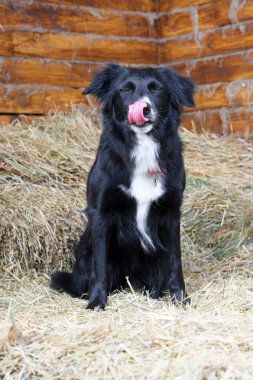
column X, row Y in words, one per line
column 45, row 335
column 50, row 336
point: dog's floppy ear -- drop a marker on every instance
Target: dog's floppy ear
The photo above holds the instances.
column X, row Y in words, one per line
column 100, row 86
column 181, row 88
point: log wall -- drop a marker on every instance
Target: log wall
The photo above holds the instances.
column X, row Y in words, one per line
column 215, row 48
column 50, row 49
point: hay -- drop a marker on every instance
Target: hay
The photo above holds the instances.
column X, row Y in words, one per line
column 218, row 208
column 46, row 335
column 43, row 171
column 42, row 188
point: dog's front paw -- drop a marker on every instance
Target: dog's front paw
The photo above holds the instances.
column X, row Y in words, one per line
column 180, row 297
column 96, row 304
column 97, row 301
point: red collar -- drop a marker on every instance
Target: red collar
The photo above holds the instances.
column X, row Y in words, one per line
column 157, row 171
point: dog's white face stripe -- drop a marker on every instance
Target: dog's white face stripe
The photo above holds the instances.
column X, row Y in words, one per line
column 145, row 188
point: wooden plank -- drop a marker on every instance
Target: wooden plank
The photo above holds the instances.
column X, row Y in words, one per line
column 169, row 5
column 244, row 11
column 233, row 94
column 70, row 19
column 213, row 70
column 223, row 12
column 178, row 50
column 38, row 99
column 39, row 71
column 130, row 5
column 42, row 99
column 7, row 119
column 214, row 14
column 239, row 121
column 200, row 121
column 23, row 119
column 174, row 24
column 229, row 40
column 239, row 37
column 211, row 96
column 76, row 47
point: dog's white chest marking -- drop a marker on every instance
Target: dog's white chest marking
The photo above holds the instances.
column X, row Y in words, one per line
column 145, row 188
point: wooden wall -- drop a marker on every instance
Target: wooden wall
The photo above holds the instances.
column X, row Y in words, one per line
column 212, row 41
column 50, row 49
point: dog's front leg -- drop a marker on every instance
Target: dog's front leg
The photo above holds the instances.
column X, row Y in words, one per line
column 176, row 280
column 98, row 281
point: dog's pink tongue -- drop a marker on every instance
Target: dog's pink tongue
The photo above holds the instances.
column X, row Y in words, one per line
column 135, row 114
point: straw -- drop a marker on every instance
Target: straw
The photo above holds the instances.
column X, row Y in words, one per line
column 47, row 335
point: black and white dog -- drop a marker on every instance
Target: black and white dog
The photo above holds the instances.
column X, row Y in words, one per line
column 135, row 188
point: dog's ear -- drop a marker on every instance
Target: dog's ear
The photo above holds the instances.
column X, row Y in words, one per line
column 181, row 88
column 100, row 86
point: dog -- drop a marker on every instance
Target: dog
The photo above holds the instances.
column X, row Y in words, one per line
column 135, row 188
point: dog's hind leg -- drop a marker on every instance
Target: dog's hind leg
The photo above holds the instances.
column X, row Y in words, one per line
column 76, row 283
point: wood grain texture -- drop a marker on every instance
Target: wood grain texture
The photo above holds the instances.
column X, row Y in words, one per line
column 224, row 121
column 130, row 5
column 51, row 49
column 38, row 99
column 178, row 50
column 75, row 47
column 175, row 24
column 69, row 19
column 7, row 119
column 234, row 38
column 204, row 120
column 234, row 94
column 241, row 121
column 170, row 5
column 23, row 119
column 39, row 71
column 223, row 12
column 228, row 40
column 213, row 70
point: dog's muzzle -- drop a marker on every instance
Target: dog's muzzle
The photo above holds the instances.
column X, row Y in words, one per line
column 138, row 112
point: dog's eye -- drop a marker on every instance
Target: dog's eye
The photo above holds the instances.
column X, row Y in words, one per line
column 128, row 87
column 154, row 86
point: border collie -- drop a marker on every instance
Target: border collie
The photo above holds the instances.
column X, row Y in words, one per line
column 135, row 188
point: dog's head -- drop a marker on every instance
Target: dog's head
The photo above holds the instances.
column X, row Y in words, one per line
column 140, row 98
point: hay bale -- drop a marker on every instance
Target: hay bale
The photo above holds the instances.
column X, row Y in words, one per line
column 218, row 207
column 43, row 172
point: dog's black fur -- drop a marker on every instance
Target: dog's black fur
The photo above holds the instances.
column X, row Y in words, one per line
column 110, row 248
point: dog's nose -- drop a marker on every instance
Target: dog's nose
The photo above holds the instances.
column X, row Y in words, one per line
column 146, row 110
